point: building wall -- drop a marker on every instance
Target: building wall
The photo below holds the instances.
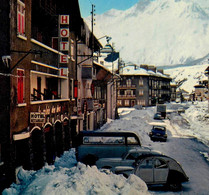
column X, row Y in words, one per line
column 147, row 90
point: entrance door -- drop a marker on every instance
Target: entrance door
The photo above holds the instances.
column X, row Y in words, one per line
column 49, row 144
column 37, row 148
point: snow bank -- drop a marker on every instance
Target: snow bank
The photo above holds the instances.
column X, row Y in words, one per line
column 66, row 178
column 198, row 117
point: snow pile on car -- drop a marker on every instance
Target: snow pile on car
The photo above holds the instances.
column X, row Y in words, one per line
column 66, row 178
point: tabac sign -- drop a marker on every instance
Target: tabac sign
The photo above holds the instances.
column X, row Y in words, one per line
column 37, row 117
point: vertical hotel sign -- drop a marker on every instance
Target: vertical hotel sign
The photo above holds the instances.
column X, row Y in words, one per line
column 64, row 34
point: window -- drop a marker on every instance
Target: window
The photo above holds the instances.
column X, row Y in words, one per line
column 141, row 102
column 140, row 82
column 128, row 82
column 20, row 86
column 131, row 140
column 126, row 102
column 20, row 18
column 128, row 92
column 119, row 102
column 141, row 92
column 160, row 164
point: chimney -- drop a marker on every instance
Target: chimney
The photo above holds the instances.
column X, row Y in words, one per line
column 144, row 66
column 152, row 68
column 161, row 71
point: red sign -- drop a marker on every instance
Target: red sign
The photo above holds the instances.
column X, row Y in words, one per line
column 64, row 46
column 92, row 89
column 64, row 72
column 75, row 89
column 63, row 59
column 64, row 32
column 64, row 19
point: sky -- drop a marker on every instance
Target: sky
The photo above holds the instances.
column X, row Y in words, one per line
column 102, row 6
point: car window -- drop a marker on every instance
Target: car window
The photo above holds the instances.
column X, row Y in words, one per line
column 132, row 156
column 159, row 164
column 132, row 140
column 146, row 164
column 103, row 140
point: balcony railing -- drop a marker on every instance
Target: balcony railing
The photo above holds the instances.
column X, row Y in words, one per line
column 126, row 86
column 47, row 95
column 127, row 96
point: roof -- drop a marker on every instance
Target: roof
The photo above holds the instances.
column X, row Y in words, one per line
column 137, row 71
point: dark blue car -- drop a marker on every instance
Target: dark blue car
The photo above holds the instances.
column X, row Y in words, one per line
column 158, row 133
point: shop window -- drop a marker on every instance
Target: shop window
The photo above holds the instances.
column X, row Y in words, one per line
column 20, row 18
column 20, row 86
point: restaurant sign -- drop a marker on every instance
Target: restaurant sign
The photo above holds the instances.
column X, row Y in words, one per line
column 37, row 117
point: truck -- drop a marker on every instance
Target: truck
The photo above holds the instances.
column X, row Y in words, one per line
column 93, row 145
column 161, row 108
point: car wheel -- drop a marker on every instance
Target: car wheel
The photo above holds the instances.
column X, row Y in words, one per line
column 90, row 160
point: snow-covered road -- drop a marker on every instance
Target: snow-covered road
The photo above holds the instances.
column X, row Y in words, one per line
column 183, row 144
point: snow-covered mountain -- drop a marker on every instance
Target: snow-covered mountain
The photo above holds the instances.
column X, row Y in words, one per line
column 190, row 75
column 159, row 32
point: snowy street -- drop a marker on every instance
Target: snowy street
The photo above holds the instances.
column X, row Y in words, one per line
column 186, row 134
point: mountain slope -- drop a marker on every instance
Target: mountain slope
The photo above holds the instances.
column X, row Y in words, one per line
column 160, row 32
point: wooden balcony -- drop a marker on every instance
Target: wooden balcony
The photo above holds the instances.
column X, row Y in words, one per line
column 127, row 97
column 126, row 86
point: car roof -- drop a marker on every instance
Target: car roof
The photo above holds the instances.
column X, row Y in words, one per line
column 145, row 151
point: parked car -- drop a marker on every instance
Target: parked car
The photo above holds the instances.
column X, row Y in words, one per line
column 158, row 133
column 157, row 116
column 156, row 170
column 181, row 110
column 93, row 145
column 128, row 159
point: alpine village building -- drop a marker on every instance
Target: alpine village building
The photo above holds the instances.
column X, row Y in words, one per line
column 55, row 83
column 143, row 86
column 50, row 88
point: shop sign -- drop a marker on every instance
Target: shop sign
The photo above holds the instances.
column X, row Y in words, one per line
column 37, row 117
column 53, row 110
column 47, row 111
column 58, row 109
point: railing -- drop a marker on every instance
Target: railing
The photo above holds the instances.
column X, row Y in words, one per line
column 47, row 95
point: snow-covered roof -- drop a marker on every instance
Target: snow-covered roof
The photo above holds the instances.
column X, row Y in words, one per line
column 135, row 70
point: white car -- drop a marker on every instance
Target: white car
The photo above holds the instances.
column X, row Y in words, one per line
column 128, row 159
column 156, row 170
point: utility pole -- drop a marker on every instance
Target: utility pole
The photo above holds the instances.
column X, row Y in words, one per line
column 92, row 26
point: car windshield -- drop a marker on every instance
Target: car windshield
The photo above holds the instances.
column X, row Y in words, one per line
column 160, row 130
